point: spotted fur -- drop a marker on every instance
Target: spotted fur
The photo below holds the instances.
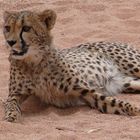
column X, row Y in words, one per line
column 86, row 74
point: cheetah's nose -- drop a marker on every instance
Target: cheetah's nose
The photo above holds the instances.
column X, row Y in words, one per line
column 11, row 42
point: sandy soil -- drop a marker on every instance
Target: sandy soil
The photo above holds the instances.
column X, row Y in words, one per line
column 78, row 21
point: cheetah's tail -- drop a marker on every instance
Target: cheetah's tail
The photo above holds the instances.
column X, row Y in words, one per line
column 110, row 104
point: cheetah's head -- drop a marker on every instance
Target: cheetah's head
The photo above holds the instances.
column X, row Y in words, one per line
column 27, row 32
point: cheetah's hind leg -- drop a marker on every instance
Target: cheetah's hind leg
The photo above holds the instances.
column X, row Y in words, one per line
column 132, row 85
column 109, row 104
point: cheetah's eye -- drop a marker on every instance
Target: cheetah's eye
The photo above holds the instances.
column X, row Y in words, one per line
column 26, row 28
column 7, row 28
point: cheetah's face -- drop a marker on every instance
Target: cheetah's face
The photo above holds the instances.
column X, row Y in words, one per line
column 25, row 32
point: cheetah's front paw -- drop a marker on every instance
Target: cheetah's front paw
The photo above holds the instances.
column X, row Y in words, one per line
column 12, row 116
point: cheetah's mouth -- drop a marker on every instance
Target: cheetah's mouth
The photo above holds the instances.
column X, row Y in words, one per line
column 21, row 53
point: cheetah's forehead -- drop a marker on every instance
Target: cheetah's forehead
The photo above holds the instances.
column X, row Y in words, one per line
column 19, row 18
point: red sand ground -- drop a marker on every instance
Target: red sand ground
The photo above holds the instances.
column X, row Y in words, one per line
column 78, row 21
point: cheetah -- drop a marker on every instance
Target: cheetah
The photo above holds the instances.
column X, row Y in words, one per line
column 88, row 74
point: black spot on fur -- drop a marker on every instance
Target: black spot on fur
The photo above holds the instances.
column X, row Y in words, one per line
column 136, row 79
column 122, row 53
column 97, row 76
column 66, row 89
column 98, row 62
column 89, row 72
column 104, row 68
column 82, row 71
column 90, row 48
column 29, row 90
column 96, row 103
column 127, row 109
column 121, row 104
column 92, row 67
column 76, row 81
column 85, row 83
column 102, row 98
column 69, row 79
column 52, row 77
column 117, row 50
column 71, row 71
column 117, row 112
column 20, row 85
column 92, row 91
column 113, row 102
column 90, row 55
column 84, row 92
column 131, row 108
column 131, row 72
column 83, row 61
column 136, row 69
column 126, row 104
column 125, row 68
column 13, row 88
column 55, row 84
column 99, row 69
column 119, row 57
column 45, row 79
column 130, row 54
column 130, row 65
column 87, row 58
column 125, row 60
column 74, row 66
column 91, row 83
column 127, row 85
column 123, row 110
column 130, row 58
column 61, row 86
column 109, row 50
column 134, row 62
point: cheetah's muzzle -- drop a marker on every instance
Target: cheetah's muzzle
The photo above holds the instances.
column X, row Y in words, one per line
column 20, row 53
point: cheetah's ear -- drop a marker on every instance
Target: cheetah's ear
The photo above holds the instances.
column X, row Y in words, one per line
column 49, row 18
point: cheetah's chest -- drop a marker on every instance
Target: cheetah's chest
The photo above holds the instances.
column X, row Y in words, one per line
column 52, row 94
